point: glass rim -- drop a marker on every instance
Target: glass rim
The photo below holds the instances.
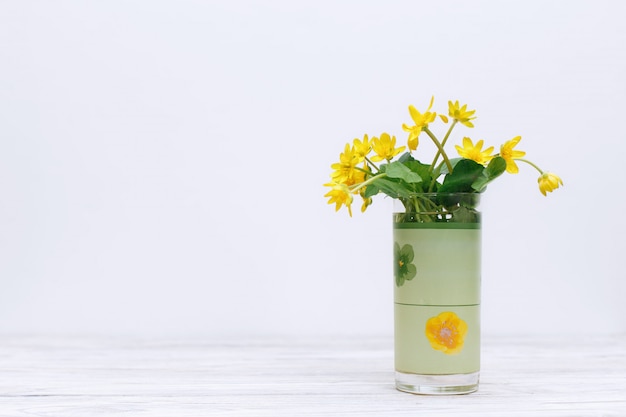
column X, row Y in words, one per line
column 439, row 194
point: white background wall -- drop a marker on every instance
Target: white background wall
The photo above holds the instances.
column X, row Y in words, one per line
column 162, row 162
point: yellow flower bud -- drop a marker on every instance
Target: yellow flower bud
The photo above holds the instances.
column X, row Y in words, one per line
column 549, row 182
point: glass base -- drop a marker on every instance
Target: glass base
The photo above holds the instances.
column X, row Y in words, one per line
column 437, row 384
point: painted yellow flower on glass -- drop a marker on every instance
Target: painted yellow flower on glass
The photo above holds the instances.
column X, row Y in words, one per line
column 446, row 332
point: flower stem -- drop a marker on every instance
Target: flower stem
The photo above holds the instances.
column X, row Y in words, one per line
column 368, row 182
column 371, row 163
column 367, row 172
column 440, row 147
column 443, row 142
column 531, row 164
column 434, row 179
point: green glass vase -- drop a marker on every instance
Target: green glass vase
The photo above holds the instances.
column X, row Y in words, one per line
column 437, row 254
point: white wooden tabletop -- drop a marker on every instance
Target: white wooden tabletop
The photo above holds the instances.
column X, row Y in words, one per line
column 521, row 376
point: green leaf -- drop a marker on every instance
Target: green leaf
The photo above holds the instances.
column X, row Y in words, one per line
column 391, row 188
column 465, row 215
column 406, row 157
column 495, row 168
column 399, row 280
column 420, row 169
column 398, row 170
column 411, row 272
column 444, row 167
column 371, row 190
column 461, row 179
column 423, row 170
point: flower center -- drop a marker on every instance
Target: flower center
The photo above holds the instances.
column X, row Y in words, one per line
column 447, row 335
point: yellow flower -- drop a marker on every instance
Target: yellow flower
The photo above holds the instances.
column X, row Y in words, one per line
column 549, row 182
column 362, row 149
column 461, row 113
column 421, row 121
column 446, row 332
column 344, row 169
column 339, row 195
column 385, row 147
column 357, row 177
column 509, row 154
column 475, row 152
column 366, row 203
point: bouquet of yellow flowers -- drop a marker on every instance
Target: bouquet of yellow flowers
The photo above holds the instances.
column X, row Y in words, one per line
column 367, row 167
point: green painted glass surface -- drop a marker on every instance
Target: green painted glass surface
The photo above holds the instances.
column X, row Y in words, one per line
column 447, row 261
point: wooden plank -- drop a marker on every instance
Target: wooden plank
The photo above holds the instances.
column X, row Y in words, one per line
column 326, row 376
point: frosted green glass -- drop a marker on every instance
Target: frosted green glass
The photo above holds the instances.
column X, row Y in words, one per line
column 447, row 260
column 414, row 353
